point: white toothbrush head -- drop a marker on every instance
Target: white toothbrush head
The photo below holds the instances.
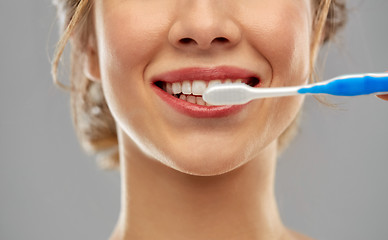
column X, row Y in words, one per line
column 227, row 94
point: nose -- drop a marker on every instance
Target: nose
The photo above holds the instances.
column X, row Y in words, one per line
column 203, row 25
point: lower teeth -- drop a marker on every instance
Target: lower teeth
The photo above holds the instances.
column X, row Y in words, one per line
column 192, row 99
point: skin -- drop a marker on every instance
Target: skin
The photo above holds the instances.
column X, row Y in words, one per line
column 384, row 97
column 190, row 178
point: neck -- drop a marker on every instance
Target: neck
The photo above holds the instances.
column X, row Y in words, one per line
column 159, row 202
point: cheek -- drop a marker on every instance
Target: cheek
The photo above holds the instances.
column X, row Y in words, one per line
column 130, row 33
column 123, row 47
column 282, row 35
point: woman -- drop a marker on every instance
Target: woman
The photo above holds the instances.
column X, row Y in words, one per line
column 188, row 170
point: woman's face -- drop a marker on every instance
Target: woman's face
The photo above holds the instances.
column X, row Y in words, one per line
column 146, row 48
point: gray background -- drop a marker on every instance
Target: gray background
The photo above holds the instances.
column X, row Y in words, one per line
column 331, row 182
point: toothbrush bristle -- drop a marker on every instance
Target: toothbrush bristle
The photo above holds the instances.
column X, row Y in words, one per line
column 226, row 94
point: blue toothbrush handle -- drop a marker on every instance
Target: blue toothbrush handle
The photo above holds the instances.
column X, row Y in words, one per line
column 350, row 85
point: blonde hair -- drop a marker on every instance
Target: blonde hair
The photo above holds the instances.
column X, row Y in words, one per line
column 93, row 122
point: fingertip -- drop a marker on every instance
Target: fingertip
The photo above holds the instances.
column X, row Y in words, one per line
column 384, row 97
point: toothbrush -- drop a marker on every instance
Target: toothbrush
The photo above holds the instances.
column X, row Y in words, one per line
column 346, row 85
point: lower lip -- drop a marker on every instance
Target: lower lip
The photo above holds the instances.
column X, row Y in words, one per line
column 195, row 110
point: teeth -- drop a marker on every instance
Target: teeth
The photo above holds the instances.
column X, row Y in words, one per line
column 183, row 97
column 208, row 104
column 186, row 87
column 176, row 87
column 169, row 88
column 198, row 87
column 200, row 101
column 214, row 82
column 191, row 99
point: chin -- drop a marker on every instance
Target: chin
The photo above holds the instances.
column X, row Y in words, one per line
column 206, row 163
column 206, row 169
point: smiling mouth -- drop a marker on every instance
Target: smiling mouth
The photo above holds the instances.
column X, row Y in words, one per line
column 192, row 91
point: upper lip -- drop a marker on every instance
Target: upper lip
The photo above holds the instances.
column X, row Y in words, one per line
column 206, row 74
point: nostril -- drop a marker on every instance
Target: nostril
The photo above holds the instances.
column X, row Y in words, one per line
column 186, row 40
column 220, row 40
column 215, row 40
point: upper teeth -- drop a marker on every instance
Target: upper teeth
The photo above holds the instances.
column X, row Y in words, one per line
column 196, row 87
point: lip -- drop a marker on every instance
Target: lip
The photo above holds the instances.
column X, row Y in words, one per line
column 206, row 74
